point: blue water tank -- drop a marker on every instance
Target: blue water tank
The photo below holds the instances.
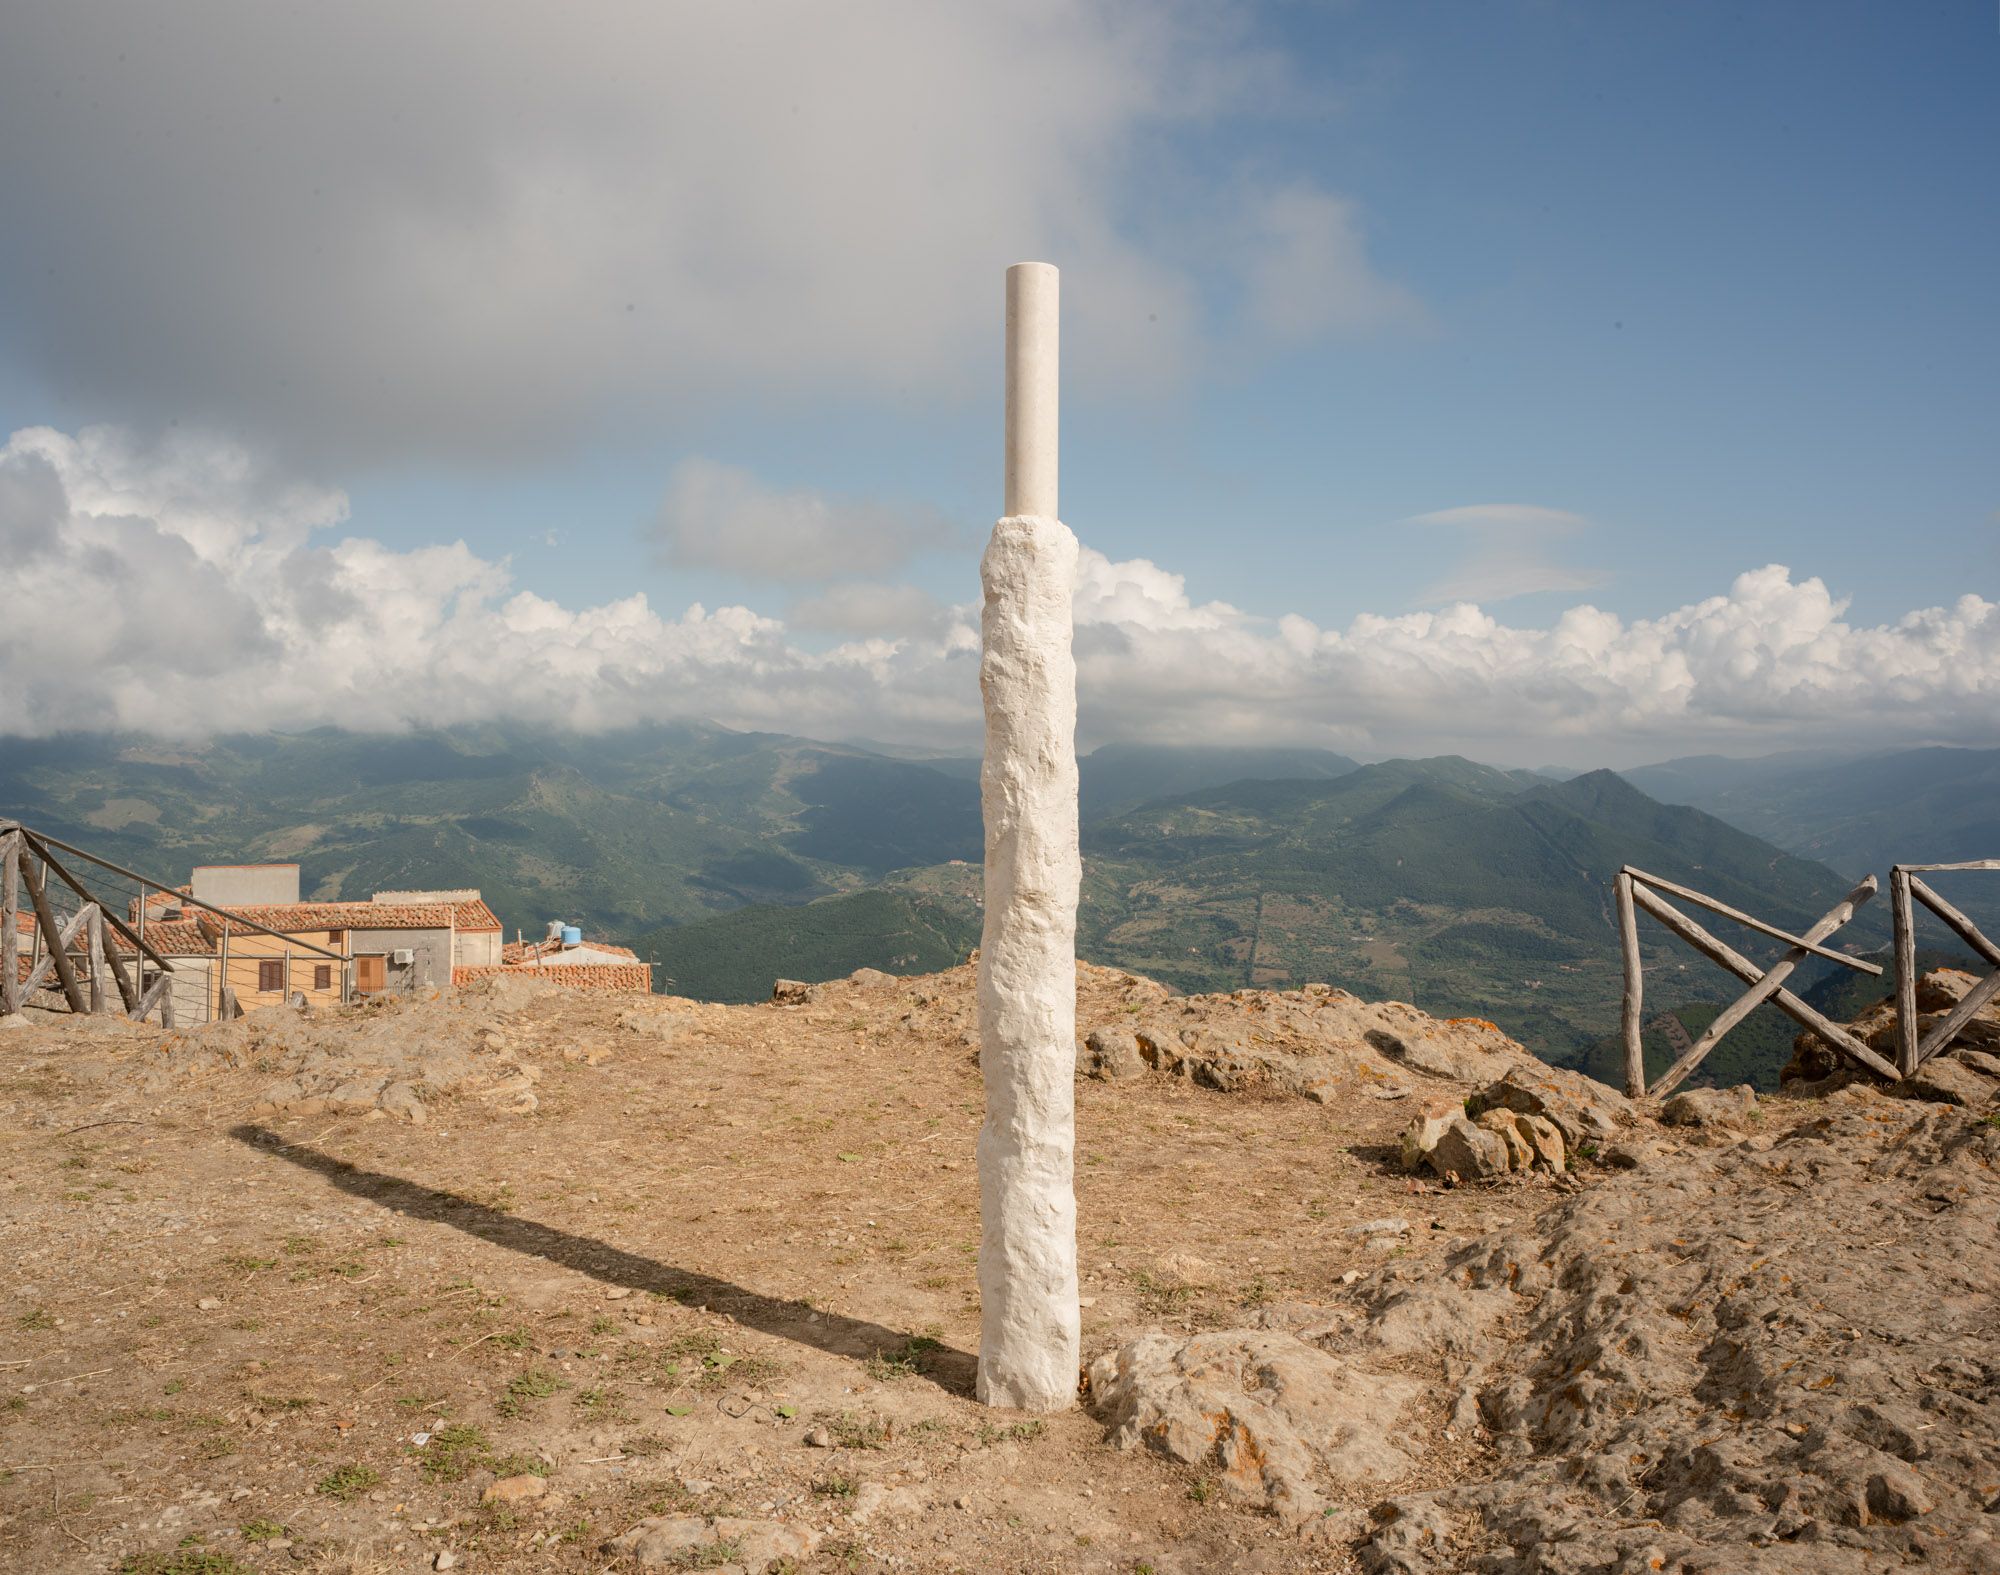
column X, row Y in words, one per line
column 571, row 935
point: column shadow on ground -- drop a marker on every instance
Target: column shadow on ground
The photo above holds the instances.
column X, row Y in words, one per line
column 950, row 1369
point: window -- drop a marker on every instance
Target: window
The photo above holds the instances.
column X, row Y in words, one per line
column 370, row 974
column 322, row 976
column 270, row 976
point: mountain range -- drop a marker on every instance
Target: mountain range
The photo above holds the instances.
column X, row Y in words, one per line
column 731, row 858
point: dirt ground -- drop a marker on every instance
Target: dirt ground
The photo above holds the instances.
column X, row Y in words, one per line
column 240, row 1338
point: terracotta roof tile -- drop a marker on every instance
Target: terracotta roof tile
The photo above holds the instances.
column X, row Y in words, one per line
column 295, row 918
column 168, row 937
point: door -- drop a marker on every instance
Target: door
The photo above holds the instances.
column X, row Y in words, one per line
column 371, row 975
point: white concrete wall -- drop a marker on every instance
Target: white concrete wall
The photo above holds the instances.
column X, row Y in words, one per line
column 246, row 885
column 476, row 949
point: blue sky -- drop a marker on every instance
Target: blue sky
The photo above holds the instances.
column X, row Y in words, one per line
column 1718, row 278
column 1637, row 298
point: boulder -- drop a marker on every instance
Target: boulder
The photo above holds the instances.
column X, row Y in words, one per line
column 1468, row 1152
column 1709, row 1107
column 868, row 978
column 1111, row 1054
column 1506, row 1126
column 696, row 1542
column 1263, row 1409
column 1938, row 992
column 1426, row 1127
column 1943, row 988
column 1584, row 1110
column 657, row 1023
column 1546, row 1139
column 403, row 1101
column 791, row 992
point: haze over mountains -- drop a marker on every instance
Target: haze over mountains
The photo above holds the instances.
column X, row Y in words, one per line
column 732, row 858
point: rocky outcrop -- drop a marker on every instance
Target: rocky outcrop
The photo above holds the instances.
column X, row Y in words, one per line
column 1764, row 1357
column 1111, row 1055
column 1316, row 1043
column 1269, row 1413
column 1938, row 992
column 1533, row 1119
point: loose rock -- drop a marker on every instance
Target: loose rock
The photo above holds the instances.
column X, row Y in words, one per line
column 514, row 1490
column 1469, row 1152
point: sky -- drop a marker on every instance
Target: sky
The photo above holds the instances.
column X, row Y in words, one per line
column 1551, row 383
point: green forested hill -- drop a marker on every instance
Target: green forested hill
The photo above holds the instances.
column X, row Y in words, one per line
column 619, row 832
column 1464, row 889
column 736, row 957
column 736, row 858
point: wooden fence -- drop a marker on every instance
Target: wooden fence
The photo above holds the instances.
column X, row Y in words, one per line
column 1907, row 887
column 76, row 951
column 1639, row 892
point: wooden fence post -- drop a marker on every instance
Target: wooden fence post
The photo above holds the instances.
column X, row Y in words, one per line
column 1635, row 987
column 1904, row 924
column 100, row 997
column 10, row 930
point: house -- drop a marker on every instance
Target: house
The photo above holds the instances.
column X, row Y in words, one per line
column 396, row 949
column 565, row 958
column 476, row 935
column 270, row 946
column 396, row 942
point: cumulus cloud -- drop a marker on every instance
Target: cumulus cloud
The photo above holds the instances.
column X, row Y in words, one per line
column 472, row 228
column 186, row 589
column 719, row 517
column 1512, row 550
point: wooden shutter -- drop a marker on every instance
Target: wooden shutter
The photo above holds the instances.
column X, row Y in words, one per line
column 323, row 976
column 370, row 973
column 270, row 976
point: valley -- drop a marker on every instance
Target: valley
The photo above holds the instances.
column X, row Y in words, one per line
column 728, row 859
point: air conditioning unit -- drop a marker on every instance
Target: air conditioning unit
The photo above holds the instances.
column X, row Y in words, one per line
column 403, row 958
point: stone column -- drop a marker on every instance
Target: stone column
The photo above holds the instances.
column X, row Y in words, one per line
column 1029, row 1334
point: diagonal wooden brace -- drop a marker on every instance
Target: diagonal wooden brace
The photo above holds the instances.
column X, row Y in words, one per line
column 1961, row 1014
column 1684, row 927
column 57, row 941
column 1765, row 987
column 57, row 957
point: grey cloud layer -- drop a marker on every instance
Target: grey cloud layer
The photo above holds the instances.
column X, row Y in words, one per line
column 452, row 228
column 720, row 517
column 291, row 632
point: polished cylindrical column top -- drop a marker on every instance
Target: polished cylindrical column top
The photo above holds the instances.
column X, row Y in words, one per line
column 1034, row 311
